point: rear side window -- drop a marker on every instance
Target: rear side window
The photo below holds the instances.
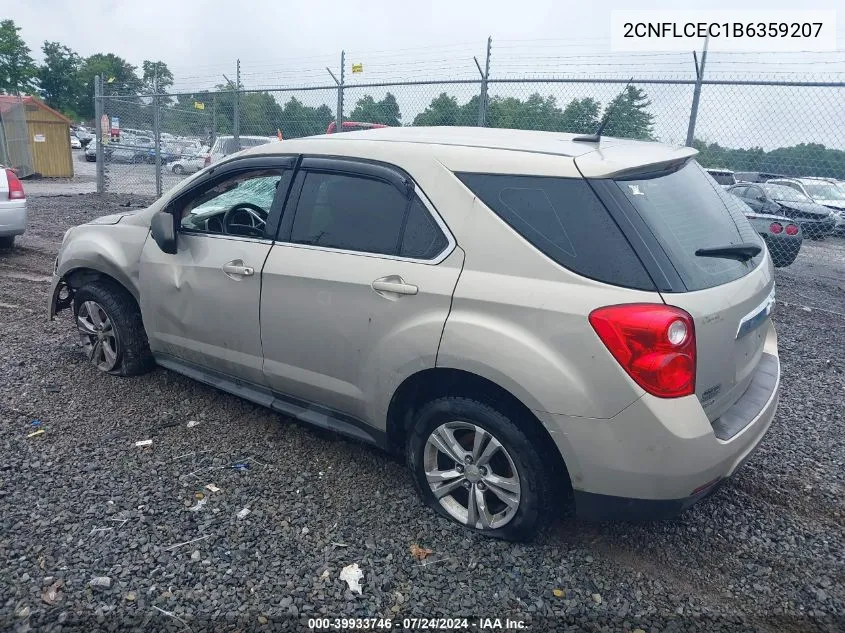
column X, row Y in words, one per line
column 422, row 239
column 563, row 219
column 687, row 211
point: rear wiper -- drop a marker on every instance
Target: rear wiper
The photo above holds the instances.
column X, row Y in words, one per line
column 739, row 252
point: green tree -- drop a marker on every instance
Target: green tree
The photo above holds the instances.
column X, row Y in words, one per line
column 301, row 120
column 368, row 110
column 58, row 77
column 580, row 116
column 17, row 68
column 118, row 75
column 630, row 117
column 804, row 159
column 156, row 76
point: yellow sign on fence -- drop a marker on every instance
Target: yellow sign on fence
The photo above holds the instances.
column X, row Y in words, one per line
column 199, row 105
column 357, row 68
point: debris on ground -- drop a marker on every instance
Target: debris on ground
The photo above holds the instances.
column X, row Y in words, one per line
column 324, row 575
column 352, row 574
column 241, row 466
column 558, row 593
column 198, row 505
column 143, row 443
column 35, row 423
column 212, row 488
column 305, row 531
column 36, row 433
column 596, row 598
column 192, row 423
column 243, row 513
column 420, row 553
column 199, row 495
column 103, row 582
column 193, row 540
column 51, row 594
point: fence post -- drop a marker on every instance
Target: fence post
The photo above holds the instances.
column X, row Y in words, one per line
column 339, row 118
column 482, row 102
column 98, row 124
column 157, row 135
column 237, row 113
column 213, row 119
column 696, row 95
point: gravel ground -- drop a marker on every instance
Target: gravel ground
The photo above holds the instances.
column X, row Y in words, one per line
column 80, row 501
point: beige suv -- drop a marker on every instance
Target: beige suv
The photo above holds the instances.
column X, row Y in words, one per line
column 517, row 313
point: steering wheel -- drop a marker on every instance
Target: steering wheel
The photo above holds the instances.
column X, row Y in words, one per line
column 245, row 218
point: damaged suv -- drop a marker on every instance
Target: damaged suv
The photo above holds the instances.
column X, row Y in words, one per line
column 520, row 314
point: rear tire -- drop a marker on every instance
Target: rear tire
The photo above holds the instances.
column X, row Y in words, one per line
column 178, row 169
column 501, row 473
column 111, row 330
column 7, row 241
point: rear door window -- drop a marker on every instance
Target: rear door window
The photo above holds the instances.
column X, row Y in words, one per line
column 687, row 211
column 564, row 219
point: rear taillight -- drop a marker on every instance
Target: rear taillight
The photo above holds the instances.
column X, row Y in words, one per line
column 15, row 186
column 654, row 343
column 776, row 227
column 791, row 229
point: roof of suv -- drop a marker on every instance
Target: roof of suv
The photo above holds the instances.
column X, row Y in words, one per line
column 610, row 156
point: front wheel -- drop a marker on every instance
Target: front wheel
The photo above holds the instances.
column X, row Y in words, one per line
column 110, row 329
column 178, row 169
column 473, row 465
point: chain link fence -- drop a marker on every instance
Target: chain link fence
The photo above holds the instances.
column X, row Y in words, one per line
column 14, row 136
column 749, row 130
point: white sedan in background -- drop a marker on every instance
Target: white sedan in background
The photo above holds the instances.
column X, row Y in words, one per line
column 12, row 208
column 188, row 164
column 75, row 143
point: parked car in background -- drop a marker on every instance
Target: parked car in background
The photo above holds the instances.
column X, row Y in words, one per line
column 770, row 198
column 127, row 154
column 352, row 126
column 75, row 143
column 225, row 145
column 84, row 135
column 724, row 177
column 190, row 163
column 755, row 176
column 823, row 191
column 13, row 215
column 782, row 236
column 491, row 318
column 91, row 151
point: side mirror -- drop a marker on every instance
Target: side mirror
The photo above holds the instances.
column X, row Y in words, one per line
column 761, row 198
column 163, row 229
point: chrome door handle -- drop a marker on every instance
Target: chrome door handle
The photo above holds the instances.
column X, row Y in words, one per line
column 394, row 284
column 236, row 267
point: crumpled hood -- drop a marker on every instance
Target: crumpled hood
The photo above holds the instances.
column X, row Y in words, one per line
column 114, row 218
column 836, row 205
column 806, row 207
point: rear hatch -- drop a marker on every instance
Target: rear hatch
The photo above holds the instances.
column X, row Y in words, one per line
column 729, row 299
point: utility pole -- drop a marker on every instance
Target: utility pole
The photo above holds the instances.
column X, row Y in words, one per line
column 237, row 123
column 485, row 75
column 157, row 132
column 696, row 95
column 339, row 117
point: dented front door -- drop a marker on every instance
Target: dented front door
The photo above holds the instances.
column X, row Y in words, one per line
column 201, row 304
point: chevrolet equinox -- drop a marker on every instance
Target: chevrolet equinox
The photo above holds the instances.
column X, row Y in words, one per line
column 519, row 314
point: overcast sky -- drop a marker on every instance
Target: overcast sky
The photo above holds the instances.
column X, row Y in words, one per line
column 285, row 43
column 213, row 33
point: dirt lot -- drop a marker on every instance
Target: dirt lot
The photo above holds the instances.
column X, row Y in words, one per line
column 81, row 501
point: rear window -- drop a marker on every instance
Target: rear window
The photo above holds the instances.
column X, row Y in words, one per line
column 563, row 218
column 687, row 211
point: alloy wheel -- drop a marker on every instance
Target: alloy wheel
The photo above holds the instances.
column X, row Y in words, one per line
column 471, row 475
column 97, row 334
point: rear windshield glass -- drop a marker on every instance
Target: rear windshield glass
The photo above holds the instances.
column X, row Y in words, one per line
column 563, row 219
column 687, row 211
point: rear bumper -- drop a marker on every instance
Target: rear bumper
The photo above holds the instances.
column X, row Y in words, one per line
column 13, row 217
column 658, row 457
